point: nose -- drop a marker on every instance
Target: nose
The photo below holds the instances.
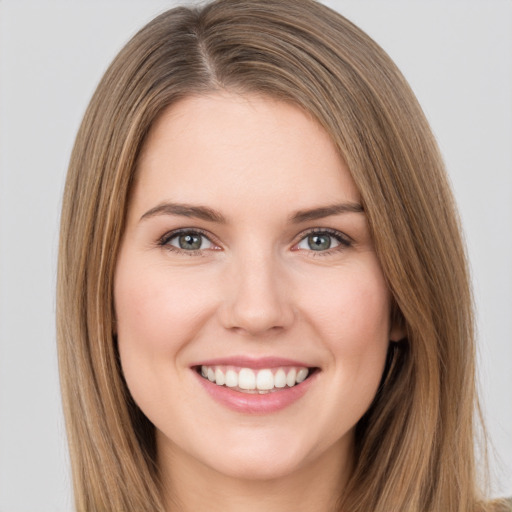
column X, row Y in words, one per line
column 257, row 300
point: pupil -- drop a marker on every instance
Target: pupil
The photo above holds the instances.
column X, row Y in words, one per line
column 319, row 242
column 190, row 242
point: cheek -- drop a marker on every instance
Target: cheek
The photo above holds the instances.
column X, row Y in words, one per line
column 156, row 308
column 157, row 313
column 352, row 320
column 351, row 310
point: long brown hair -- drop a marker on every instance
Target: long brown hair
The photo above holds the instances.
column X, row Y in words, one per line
column 414, row 447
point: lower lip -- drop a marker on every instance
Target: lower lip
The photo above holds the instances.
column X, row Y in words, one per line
column 249, row 403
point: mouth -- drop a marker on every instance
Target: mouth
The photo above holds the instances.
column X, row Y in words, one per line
column 260, row 381
column 261, row 385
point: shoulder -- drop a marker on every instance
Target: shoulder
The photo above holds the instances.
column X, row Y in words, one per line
column 502, row 505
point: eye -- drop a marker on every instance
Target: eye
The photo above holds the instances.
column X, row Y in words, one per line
column 187, row 241
column 317, row 242
column 323, row 241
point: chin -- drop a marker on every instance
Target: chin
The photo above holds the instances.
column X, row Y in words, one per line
column 259, row 467
column 261, row 455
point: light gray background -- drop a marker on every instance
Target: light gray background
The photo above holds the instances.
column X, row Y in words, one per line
column 457, row 55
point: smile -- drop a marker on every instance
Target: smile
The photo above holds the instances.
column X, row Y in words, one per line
column 255, row 385
column 261, row 381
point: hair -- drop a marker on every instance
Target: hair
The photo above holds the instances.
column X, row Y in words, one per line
column 415, row 445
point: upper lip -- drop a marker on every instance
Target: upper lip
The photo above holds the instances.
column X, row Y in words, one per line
column 252, row 362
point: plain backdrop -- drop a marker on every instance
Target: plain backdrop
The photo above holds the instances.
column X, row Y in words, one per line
column 457, row 55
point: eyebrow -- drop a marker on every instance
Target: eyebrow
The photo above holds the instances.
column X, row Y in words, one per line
column 326, row 211
column 185, row 210
column 211, row 215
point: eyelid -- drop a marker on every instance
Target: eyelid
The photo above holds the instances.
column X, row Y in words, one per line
column 163, row 241
column 344, row 240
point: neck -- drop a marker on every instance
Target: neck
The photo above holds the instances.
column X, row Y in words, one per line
column 189, row 485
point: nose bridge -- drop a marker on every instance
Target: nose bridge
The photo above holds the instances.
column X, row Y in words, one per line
column 256, row 300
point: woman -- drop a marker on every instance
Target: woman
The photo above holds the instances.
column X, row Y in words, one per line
column 263, row 293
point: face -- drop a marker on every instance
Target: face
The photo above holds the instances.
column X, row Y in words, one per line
column 252, row 313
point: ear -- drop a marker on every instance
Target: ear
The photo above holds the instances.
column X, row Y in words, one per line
column 397, row 333
column 397, row 329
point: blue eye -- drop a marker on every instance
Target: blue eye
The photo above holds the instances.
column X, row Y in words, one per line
column 187, row 241
column 322, row 241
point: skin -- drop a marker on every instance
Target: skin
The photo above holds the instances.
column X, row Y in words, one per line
column 255, row 288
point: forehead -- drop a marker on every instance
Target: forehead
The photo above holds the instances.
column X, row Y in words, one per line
column 212, row 147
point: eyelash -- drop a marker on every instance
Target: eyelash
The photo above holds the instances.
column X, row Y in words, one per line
column 344, row 241
column 165, row 239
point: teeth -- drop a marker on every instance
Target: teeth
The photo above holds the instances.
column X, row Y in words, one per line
column 231, row 379
column 280, row 379
column 265, row 380
column 290, row 378
column 246, row 379
column 249, row 380
column 301, row 375
column 219, row 377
